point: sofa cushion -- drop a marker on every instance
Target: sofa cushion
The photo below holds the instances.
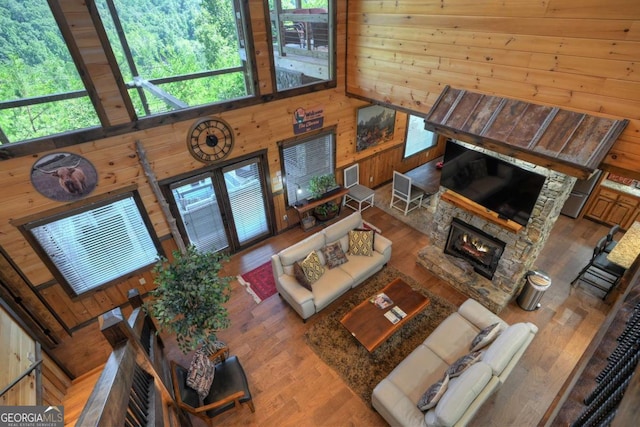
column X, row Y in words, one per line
column 334, row 255
column 301, row 249
column 341, row 228
column 461, row 392
column 502, row 350
column 311, row 269
column 478, row 315
column 433, row 394
column 450, row 340
column 362, row 267
column 331, row 285
column 421, row 368
column 462, row 364
column 485, row 337
column 361, row 242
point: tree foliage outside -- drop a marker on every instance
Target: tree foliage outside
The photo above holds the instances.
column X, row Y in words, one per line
column 189, row 297
column 35, row 61
column 167, row 38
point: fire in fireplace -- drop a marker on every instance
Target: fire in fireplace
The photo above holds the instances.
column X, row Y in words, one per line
column 475, row 246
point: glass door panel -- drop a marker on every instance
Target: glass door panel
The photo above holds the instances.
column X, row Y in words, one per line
column 200, row 213
column 247, row 202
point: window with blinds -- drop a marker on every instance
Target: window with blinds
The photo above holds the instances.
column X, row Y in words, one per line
column 200, row 213
column 305, row 159
column 96, row 246
column 246, row 199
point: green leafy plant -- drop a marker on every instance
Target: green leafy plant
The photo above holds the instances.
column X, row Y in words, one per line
column 326, row 209
column 189, row 297
column 320, row 184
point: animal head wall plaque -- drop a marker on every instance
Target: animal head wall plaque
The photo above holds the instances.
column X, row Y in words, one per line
column 64, row 177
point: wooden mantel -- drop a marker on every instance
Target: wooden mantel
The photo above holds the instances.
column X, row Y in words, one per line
column 565, row 141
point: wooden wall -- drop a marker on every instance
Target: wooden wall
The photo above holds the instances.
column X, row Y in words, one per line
column 578, row 55
column 256, row 128
column 18, row 355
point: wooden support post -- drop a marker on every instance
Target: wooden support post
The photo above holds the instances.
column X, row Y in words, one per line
column 153, row 182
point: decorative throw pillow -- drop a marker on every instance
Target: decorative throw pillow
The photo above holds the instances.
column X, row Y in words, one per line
column 361, row 242
column 334, row 255
column 433, row 394
column 298, row 273
column 310, row 268
column 485, row 337
column 460, row 365
column 215, row 347
column 201, row 372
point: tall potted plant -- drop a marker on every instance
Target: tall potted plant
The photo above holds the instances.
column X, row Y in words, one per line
column 189, row 297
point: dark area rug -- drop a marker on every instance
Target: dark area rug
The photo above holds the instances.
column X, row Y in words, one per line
column 362, row 370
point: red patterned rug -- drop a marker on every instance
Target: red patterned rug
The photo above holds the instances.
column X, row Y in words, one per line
column 259, row 282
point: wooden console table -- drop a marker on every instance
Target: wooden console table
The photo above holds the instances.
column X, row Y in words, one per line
column 304, row 207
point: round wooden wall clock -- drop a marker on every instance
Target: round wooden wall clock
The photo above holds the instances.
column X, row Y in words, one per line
column 210, row 139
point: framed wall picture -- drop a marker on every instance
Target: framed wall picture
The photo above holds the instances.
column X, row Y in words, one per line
column 375, row 125
column 63, row 176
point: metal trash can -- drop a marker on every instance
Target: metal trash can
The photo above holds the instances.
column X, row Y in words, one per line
column 536, row 284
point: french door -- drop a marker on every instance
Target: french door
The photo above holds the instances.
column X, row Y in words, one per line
column 225, row 208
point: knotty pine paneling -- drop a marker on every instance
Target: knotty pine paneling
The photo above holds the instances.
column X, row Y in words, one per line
column 256, row 128
column 19, row 352
column 582, row 57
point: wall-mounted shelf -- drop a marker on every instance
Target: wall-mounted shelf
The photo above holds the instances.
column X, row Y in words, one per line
column 491, row 216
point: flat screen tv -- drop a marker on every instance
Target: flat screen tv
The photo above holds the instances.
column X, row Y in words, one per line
column 499, row 186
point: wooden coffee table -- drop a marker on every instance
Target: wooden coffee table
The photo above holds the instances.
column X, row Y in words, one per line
column 367, row 322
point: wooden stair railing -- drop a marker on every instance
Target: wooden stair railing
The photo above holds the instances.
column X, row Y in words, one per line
column 134, row 388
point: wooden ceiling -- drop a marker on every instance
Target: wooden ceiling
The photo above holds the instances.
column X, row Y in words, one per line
column 565, row 141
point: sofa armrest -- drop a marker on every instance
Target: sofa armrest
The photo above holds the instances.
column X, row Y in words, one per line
column 276, row 267
column 479, row 315
column 394, row 406
column 382, row 245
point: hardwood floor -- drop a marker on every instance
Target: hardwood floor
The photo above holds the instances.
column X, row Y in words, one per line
column 293, row 387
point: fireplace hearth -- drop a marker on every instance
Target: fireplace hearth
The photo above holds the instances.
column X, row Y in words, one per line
column 478, row 248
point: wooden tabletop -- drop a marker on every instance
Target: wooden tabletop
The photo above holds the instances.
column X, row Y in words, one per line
column 627, row 248
column 367, row 322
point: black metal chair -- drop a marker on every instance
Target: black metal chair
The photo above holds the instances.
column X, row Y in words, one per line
column 229, row 389
column 600, row 272
column 611, row 243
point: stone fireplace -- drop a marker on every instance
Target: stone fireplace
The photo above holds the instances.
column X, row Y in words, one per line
column 519, row 252
column 479, row 249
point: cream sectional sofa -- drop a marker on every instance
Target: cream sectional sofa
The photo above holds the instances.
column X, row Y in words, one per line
column 334, row 282
column 397, row 395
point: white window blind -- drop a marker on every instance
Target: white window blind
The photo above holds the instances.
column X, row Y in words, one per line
column 200, row 213
column 97, row 246
column 304, row 160
column 247, row 201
